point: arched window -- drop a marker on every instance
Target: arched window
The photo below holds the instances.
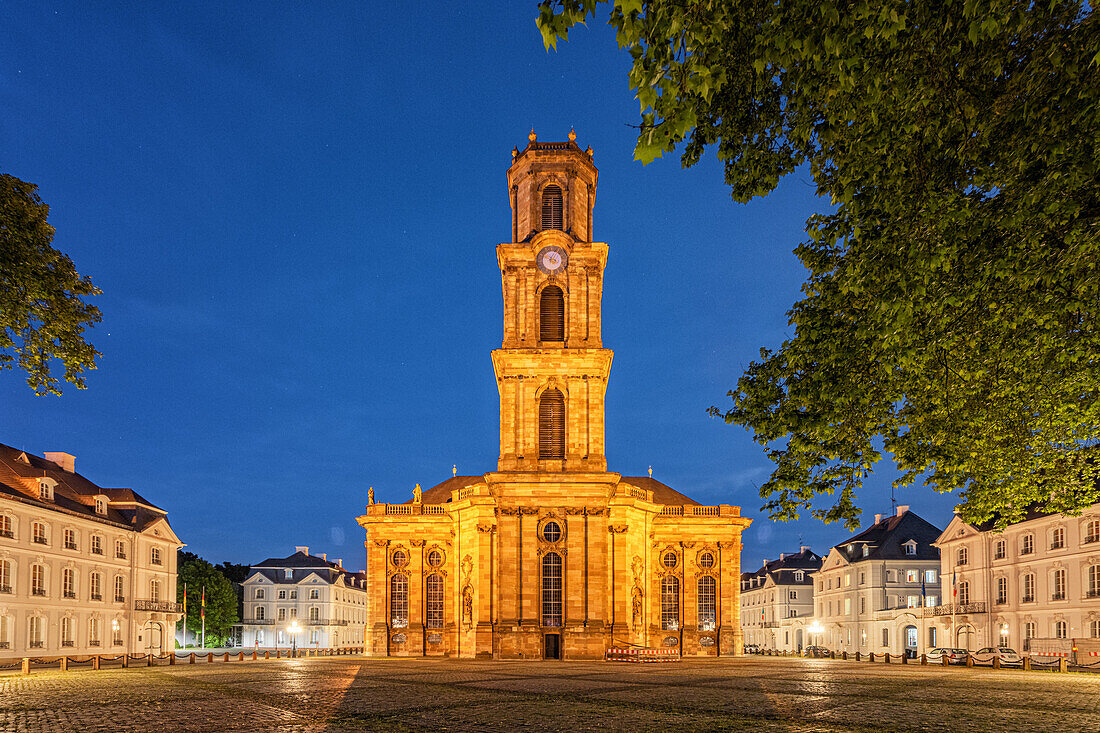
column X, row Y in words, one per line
column 434, row 589
column 551, row 589
column 551, row 207
column 552, row 314
column 399, row 601
column 670, row 603
column 551, row 424
column 707, row 602
column 1093, row 582
column 1060, row 629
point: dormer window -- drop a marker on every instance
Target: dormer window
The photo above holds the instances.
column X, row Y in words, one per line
column 910, row 547
column 288, row 574
column 45, row 489
column 101, row 505
column 866, row 550
column 799, row 575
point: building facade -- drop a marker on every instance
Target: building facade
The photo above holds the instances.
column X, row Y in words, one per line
column 552, row 555
column 328, row 603
column 879, row 591
column 1039, row 578
column 777, row 601
column 83, row 569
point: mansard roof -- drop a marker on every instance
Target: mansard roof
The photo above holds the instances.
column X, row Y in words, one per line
column 73, row 493
column 887, row 537
column 782, row 571
column 662, row 493
column 302, row 566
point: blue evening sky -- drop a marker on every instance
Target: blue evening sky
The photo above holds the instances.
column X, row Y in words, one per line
column 292, row 210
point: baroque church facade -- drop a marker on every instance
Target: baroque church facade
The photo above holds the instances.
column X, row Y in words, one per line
column 551, row 555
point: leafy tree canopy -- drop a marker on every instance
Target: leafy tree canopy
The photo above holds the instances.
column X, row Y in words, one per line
column 949, row 312
column 42, row 316
column 194, row 573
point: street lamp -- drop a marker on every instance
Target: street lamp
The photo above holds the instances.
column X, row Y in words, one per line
column 1004, row 634
column 293, row 630
column 815, row 630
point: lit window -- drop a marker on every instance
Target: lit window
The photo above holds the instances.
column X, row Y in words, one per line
column 399, row 601
column 670, row 602
column 912, row 601
column 552, row 584
column 434, row 589
column 38, row 632
column 707, row 602
column 314, row 594
column 912, row 576
column 930, row 576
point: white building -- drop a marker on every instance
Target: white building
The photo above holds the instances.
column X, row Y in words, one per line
column 1039, row 578
column 328, row 602
column 777, row 601
column 83, row 569
column 879, row 590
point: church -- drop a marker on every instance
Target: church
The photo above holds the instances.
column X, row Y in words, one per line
column 551, row 556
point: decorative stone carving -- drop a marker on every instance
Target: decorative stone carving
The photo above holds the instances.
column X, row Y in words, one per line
column 617, row 528
column 381, row 543
column 417, row 494
column 370, row 496
column 486, row 527
column 467, row 592
column 416, row 543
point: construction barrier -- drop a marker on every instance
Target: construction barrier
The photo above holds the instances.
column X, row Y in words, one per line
column 641, row 654
column 101, row 661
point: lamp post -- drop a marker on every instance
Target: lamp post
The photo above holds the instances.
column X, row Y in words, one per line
column 293, row 631
column 1004, row 634
column 815, row 630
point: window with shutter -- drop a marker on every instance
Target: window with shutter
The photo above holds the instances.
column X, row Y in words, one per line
column 552, row 424
column 551, row 207
column 552, row 314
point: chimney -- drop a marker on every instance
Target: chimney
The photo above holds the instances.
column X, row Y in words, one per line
column 804, row 548
column 782, row 556
column 878, row 518
column 303, row 550
column 902, row 509
column 324, row 556
column 64, row 460
column 339, row 562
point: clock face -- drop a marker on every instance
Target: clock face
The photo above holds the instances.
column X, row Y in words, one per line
column 551, row 259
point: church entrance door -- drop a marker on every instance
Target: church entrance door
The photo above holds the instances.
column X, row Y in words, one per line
column 553, row 646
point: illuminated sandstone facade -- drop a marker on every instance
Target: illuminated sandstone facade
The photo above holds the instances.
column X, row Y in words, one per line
column 551, row 555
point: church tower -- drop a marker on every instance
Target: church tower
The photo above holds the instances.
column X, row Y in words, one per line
column 552, row 368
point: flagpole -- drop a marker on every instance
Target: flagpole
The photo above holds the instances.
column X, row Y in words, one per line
column 185, row 615
column 203, row 614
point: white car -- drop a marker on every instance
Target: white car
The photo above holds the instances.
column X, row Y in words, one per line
column 954, row 656
column 1008, row 657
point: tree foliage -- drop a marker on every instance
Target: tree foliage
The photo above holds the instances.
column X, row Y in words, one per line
column 42, row 316
column 949, row 312
column 221, row 598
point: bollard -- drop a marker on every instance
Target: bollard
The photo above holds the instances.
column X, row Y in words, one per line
column 1063, row 664
column 844, row 656
column 871, row 657
column 26, row 668
column 95, row 662
column 905, row 658
column 997, row 662
column 267, row 655
column 1027, row 664
column 886, row 657
column 150, row 664
column 226, row 657
column 64, row 664
column 172, row 659
column 969, row 660
column 192, row 658
column 923, row 659
column 210, row 656
column 857, row 656
column 253, row 655
column 240, row 656
column 125, row 660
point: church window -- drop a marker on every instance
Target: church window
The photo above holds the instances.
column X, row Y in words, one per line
column 707, row 602
column 400, row 558
column 435, row 558
column 434, row 587
column 670, row 602
column 552, row 314
column 669, row 560
column 552, row 424
column 399, row 601
column 706, row 560
column 551, row 531
column 552, row 589
column 551, row 207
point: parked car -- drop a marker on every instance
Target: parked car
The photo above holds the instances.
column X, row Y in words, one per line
column 954, row 656
column 816, row 651
column 1008, row 657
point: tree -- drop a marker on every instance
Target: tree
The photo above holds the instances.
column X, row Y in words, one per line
column 42, row 316
column 949, row 313
column 221, row 600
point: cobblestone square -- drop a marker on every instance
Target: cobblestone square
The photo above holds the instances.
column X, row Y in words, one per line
column 352, row 694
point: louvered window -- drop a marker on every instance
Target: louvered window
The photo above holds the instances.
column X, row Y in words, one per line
column 552, row 314
column 551, row 207
column 551, row 424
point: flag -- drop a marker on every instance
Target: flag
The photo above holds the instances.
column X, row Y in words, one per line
column 954, row 586
column 202, row 609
